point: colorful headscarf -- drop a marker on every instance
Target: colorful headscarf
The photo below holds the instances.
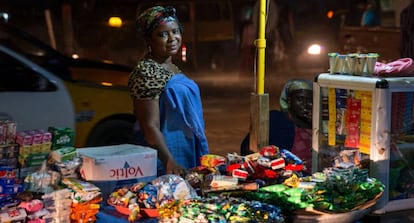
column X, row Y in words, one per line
column 151, row 18
column 290, row 86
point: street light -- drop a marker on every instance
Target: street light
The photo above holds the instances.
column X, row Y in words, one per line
column 115, row 21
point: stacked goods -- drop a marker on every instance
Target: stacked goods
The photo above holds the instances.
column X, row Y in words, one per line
column 39, row 177
column 34, row 147
column 9, row 185
column 352, row 63
column 86, row 199
column 57, row 205
column 58, row 199
column 8, row 147
column 7, row 132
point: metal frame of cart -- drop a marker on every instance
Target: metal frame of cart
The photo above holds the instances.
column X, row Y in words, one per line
column 380, row 137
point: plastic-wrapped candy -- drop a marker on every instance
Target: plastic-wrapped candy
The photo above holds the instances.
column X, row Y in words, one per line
column 234, row 158
column 68, row 169
column 270, row 151
column 173, row 187
column 32, row 205
column 42, row 181
column 210, row 160
column 137, row 186
column 290, row 157
column 147, row 196
column 195, row 178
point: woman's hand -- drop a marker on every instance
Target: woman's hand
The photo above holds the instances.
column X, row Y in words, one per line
column 174, row 168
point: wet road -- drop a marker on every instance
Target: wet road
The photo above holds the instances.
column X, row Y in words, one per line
column 226, row 104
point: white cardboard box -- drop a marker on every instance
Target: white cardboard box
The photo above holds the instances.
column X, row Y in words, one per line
column 119, row 162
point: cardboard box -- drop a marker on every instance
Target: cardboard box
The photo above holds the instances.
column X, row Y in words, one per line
column 119, row 162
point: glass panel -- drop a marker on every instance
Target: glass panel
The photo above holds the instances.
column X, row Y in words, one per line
column 345, row 127
column 16, row 77
column 401, row 183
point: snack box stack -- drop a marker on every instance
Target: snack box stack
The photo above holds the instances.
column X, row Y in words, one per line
column 8, row 155
column 58, row 205
column 8, row 146
column 34, row 147
column 9, row 151
column 7, row 132
column 9, row 184
column 74, row 201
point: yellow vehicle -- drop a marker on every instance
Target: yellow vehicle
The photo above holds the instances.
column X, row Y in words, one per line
column 103, row 110
column 99, row 108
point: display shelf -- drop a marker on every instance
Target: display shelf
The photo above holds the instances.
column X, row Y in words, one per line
column 366, row 120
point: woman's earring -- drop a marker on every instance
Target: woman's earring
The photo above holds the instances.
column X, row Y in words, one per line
column 149, row 49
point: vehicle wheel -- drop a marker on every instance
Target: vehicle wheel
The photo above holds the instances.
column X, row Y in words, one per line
column 111, row 132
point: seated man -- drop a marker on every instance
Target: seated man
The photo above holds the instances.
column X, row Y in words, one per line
column 291, row 127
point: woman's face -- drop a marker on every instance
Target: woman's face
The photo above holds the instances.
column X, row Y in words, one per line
column 165, row 40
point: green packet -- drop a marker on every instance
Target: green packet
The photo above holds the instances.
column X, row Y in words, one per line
column 62, row 137
column 276, row 188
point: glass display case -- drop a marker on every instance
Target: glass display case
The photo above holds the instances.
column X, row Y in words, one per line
column 367, row 121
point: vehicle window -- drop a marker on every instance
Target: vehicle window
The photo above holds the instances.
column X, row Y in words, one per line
column 21, row 45
column 15, row 76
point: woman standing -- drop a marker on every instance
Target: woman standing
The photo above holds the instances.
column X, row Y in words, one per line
column 167, row 104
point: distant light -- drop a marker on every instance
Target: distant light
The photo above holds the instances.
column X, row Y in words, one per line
column 115, row 22
column 314, row 49
column 4, row 16
column 330, row 14
column 108, row 84
column 184, row 53
column 75, row 56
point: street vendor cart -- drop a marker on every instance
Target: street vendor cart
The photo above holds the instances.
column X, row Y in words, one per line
column 368, row 121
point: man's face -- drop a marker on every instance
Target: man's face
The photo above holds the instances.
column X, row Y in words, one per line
column 300, row 105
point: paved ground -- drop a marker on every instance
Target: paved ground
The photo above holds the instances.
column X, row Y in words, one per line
column 226, row 104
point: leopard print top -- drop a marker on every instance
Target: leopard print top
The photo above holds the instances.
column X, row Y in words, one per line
column 148, row 79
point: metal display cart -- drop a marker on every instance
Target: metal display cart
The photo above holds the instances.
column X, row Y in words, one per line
column 368, row 121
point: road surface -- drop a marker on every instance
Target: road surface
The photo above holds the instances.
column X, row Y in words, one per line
column 226, row 104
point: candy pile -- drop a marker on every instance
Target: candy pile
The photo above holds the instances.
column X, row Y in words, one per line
column 270, row 165
column 131, row 200
column 220, row 209
column 334, row 190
